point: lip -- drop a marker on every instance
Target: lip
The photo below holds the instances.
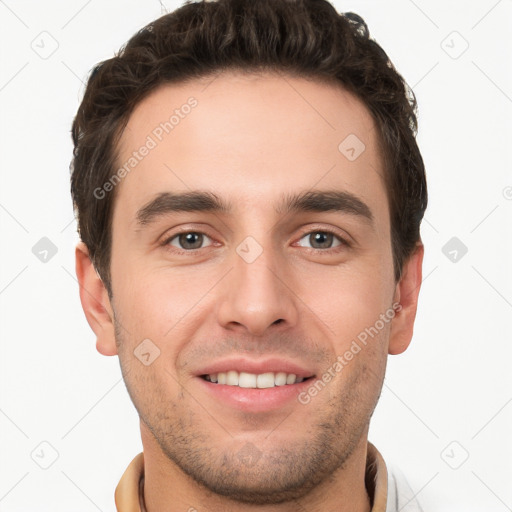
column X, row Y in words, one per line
column 254, row 400
column 250, row 399
column 252, row 366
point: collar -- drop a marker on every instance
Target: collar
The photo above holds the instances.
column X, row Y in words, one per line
column 129, row 491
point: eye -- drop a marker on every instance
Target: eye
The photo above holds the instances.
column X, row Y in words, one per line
column 187, row 241
column 323, row 239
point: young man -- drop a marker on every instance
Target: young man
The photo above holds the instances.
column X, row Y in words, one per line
column 276, row 138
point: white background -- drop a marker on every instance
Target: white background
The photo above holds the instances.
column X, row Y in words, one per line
column 447, row 398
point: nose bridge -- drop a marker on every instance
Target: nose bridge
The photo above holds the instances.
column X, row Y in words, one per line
column 255, row 295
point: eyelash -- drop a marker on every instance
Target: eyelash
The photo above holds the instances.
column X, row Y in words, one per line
column 344, row 244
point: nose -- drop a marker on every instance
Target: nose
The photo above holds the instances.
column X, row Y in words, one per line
column 257, row 295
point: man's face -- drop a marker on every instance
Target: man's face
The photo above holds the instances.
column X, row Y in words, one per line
column 256, row 288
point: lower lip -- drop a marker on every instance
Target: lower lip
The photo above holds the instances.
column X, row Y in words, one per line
column 255, row 400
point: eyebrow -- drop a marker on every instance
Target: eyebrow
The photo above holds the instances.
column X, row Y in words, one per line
column 325, row 201
column 168, row 202
column 204, row 201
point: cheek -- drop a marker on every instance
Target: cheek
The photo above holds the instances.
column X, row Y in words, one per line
column 150, row 300
column 164, row 305
column 348, row 302
column 154, row 392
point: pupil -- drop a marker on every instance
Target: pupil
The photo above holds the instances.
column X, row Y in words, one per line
column 188, row 238
column 322, row 237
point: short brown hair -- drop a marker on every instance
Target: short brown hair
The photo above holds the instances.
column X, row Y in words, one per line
column 305, row 38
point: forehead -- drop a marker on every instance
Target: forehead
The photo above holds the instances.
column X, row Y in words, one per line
column 249, row 137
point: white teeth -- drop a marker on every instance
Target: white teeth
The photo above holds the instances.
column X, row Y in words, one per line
column 252, row 380
column 280, row 379
column 247, row 380
column 265, row 380
column 232, row 378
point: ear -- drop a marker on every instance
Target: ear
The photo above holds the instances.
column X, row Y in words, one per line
column 406, row 293
column 95, row 302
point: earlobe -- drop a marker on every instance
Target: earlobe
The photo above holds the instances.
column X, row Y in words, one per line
column 95, row 302
column 406, row 293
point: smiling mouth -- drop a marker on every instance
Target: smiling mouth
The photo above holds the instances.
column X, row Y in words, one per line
column 254, row 381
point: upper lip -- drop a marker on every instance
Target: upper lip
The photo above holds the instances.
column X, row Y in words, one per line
column 274, row 365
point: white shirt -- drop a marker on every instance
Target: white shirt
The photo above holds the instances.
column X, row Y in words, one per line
column 400, row 497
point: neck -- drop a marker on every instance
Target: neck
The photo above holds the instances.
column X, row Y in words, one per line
column 167, row 487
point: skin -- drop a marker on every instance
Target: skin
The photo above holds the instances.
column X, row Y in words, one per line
column 251, row 139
